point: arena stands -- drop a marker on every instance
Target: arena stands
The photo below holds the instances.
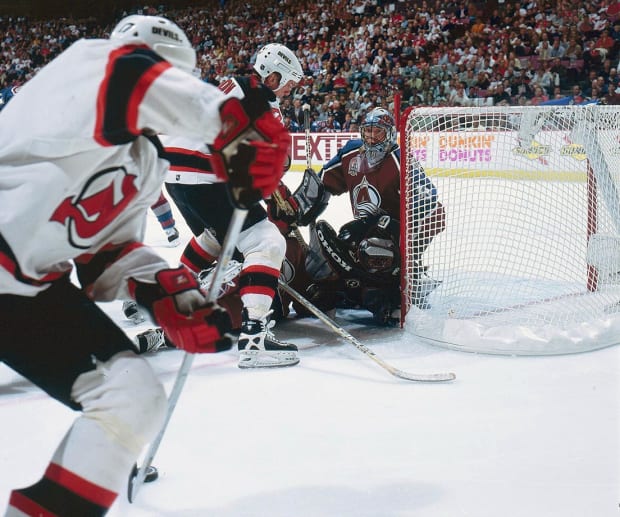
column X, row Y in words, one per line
column 360, row 53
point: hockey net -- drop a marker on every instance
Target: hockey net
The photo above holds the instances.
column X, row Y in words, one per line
column 529, row 261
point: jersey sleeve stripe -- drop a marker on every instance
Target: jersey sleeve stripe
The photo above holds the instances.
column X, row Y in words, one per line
column 130, row 71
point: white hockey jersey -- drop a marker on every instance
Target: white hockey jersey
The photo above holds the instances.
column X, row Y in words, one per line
column 189, row 158
column 78, row 170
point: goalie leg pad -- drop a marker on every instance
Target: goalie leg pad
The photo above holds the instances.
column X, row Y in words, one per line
column 335, row 250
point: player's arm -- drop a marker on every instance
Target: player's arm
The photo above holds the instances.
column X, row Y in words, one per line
column 251, row 150
column 172, row 296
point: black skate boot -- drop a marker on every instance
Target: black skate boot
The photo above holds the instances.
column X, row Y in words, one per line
column 258, row 348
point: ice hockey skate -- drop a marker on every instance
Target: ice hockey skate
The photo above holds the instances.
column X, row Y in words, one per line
column 132, row 312
column 150, row 340
column 173, row 236
column 229, row 278
column 258, row 347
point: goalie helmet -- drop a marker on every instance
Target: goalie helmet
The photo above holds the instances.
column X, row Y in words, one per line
column 160, row 35
column 378, row 134
column 278, row 58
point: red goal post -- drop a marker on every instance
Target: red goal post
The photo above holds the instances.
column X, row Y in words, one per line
column 529, row 261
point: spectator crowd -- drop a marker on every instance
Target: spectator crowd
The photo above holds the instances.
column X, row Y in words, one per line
column 358, row 54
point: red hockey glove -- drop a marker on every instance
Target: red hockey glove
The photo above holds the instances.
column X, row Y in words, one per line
column 251, row 149
column 178, row 305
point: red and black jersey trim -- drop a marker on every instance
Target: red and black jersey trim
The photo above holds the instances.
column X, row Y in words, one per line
column 91, row 266
column 130, row 71
column 8, row 261
column 187, row 160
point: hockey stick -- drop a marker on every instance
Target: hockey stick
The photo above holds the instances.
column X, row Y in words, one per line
column 419, row 377
column 236, row 223
column 284, row 205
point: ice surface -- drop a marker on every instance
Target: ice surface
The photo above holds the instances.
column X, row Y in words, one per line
column 338, row 436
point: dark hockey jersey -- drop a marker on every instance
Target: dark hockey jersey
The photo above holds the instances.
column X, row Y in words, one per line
column 376, row 187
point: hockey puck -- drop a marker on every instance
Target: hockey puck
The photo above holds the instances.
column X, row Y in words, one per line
column 151, row 474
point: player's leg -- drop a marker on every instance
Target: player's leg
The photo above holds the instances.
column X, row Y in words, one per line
column 163, row 211
column 261, row 250
column 62, row 342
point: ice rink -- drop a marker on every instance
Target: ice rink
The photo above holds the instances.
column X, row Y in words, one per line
column 338, row 436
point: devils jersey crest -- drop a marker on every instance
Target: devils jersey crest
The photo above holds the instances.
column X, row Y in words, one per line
column 102, row 199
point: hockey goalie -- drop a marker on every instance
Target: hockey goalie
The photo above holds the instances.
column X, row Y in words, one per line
column 358, row 267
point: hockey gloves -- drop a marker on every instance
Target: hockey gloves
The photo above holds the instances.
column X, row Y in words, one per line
column 251, row 149
column 180, row 308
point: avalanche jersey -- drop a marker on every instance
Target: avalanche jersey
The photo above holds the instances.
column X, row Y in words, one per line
column 375, row 187
column 190, row 159
column 78, row 168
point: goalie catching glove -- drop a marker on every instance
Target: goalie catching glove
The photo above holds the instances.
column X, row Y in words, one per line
column 178, row 305
column 304, row 206
column 251, row 149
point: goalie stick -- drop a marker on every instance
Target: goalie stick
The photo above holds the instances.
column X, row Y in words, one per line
column 418, row 377
column 137, row 477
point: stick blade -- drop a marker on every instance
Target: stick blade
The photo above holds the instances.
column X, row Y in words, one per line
column 425, row 377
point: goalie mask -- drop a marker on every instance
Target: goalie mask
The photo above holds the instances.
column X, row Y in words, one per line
column 378, row 135
column 280, row 59
column 160, row 35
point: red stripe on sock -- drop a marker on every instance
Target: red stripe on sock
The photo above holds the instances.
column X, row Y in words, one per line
column 257, row 289
column 26, row 505
column 261, row 269
column 85, row 489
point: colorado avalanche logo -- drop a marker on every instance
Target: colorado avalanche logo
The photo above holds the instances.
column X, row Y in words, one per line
column 102, row 199
column 366, row 199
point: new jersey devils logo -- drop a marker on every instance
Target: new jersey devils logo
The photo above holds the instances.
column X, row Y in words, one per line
column 102, row 199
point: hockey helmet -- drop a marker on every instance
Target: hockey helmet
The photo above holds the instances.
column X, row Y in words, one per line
column 275, row 57
column 378, row 134
column 160, row 35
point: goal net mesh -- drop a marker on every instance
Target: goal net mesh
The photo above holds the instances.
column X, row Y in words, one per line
column 529, row 260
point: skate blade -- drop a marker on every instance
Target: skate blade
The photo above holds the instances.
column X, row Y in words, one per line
column 266, row 359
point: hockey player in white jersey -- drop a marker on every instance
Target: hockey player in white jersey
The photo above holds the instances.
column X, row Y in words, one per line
column 78, row 172
column 193, row 187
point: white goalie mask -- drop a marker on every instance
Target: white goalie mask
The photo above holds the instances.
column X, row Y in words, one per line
column 160, row 35
column 378, row 134
column 278, row 58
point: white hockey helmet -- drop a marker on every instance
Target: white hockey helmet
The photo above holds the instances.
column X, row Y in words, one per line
column 382, row 141
column 278, row 58
column 160, row 35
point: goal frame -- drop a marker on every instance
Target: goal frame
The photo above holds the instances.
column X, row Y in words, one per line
column 591, row 275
